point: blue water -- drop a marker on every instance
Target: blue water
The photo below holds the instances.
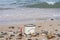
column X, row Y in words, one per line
column 20, row 3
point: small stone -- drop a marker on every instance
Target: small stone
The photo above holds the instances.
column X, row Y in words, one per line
column 45, row 32
column 58, row 35
column 50, row 36
column 56, row 30
column 50, row 25
column 36, row 39
column 52, row 19
column 1, row 36
column 29, row 39
column 39, row 26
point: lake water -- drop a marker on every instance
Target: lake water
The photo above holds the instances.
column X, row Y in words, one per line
column 14, row 3
column 20, row 3
column 23, row 14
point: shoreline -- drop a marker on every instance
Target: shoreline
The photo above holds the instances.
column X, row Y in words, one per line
column 28, row 14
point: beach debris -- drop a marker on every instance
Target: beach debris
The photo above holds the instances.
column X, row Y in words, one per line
column 29, row 36
column 58, row 39
column 1, row 36
column 37, row 33
column 30, row 29
column 36, row 39
column 29, row 39
column 52, row 19
column 20, row 33
column 12, row 35
column 25, row 34
column 43, row 36
column 19, row 36
column 50, row 36
column 58, row 24
column 33, row 35
column 1, row 32
column 6, row 38
column 44, row 39
column 58, row 35
column 29, row 25
column 11, row 27
column 10, row 38
column 56, row 30
column 44, row 32
column 50, row 25
column 4, row 33
column 39, row 26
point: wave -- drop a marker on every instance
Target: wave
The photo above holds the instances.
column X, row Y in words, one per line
column 45, row 5
column 21, row 3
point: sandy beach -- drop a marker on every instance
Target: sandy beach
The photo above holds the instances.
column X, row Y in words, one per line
column 44, row 19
